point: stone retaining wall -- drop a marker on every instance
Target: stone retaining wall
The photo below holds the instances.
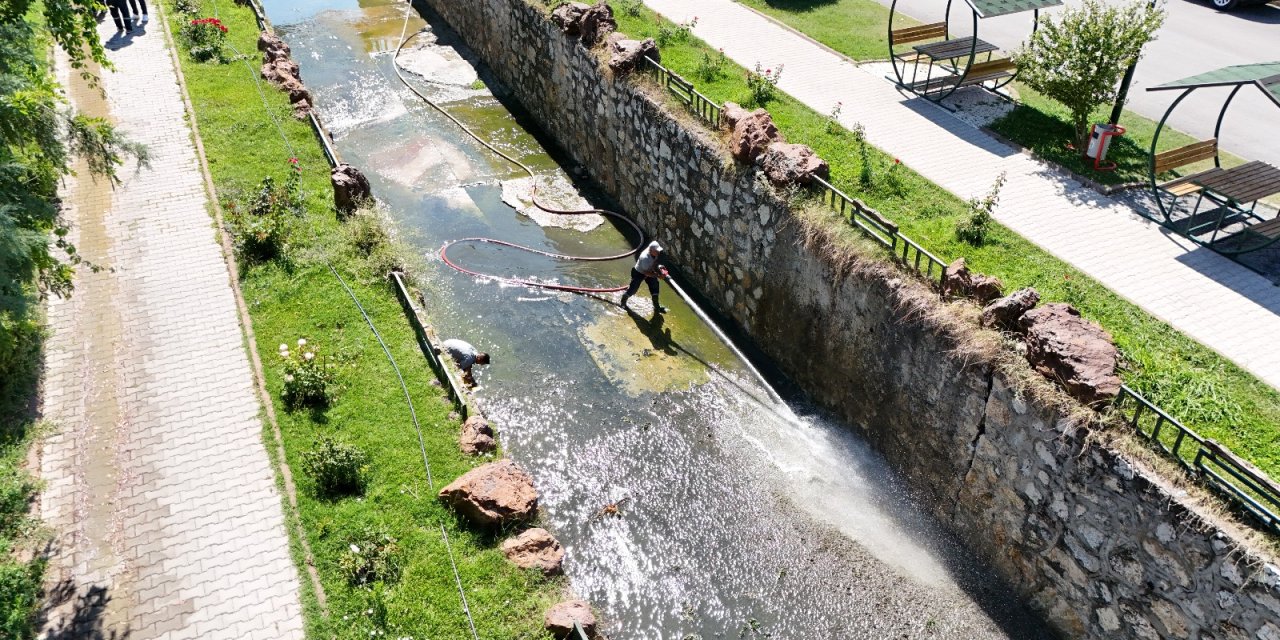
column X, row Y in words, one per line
column 1098, row 545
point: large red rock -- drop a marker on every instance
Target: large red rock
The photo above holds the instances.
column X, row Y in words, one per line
column 1072, row 351
column 535, row 549
column 959, row 282
column 350, row 188
column 477, row 436
column 280, row 71
column 732, row 112
column 1003, row 313
column 494, row 494
column 597, row 23
column 560, row 618
column 568, row 17
column 272, row 47
column 628, row 55
column 787, row 164
column 985, row 288
column 752, row 134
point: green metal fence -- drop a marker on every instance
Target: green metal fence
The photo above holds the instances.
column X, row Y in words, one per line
column 446, row 377
column 884, row 231
column 683, row 90
column 1249, row 490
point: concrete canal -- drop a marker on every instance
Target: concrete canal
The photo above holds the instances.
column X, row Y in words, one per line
column 738, row 517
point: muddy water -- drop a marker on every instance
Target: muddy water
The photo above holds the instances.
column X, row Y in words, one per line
column 736, row 518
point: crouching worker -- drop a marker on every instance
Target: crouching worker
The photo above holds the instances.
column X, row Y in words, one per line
column 648, row 270
column 465, row 356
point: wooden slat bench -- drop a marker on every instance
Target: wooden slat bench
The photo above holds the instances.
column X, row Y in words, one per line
column 915, row 34
column 979, row 73
column 1180, row 157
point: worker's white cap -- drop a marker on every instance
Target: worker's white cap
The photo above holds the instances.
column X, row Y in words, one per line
column 655, row 246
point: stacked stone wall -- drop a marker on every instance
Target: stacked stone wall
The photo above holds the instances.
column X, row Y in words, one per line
column 1100, row 546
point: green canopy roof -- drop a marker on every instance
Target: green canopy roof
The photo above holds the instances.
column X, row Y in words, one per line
column 992, row 8
column 1266, row 75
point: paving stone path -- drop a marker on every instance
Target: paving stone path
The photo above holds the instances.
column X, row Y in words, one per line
column 1214, row 300
column 158, row 485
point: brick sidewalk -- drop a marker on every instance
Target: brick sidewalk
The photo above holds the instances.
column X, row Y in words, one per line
column 158, row 485
column 1223, row 305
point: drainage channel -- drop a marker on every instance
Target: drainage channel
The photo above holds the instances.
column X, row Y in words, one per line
column 737, row 520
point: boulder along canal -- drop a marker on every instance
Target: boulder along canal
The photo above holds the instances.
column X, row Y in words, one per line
column 738, row 518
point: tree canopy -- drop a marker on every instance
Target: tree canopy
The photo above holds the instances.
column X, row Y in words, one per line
column 40, row 137
column 1077, row 58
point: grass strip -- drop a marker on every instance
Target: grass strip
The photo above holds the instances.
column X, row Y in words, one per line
column 1190, row 381
column 299, row 298
column 859, row 29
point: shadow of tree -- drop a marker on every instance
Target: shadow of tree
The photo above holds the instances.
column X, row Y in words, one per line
column 85, row 619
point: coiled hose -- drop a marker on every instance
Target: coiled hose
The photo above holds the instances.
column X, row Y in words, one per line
column 444, row 250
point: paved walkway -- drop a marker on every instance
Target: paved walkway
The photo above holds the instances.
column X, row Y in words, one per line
column 1214, row 300
column 159, row 487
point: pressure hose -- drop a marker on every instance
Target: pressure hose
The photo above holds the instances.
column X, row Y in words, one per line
column 444, row 250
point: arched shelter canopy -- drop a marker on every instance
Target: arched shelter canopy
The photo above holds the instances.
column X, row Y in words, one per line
column 1231, row 225
column 993, row 8
column 954, row 59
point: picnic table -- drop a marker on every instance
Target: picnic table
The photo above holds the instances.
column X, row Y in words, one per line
column 1249, row 182
column 952, row 49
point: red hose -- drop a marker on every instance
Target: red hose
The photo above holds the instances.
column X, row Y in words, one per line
column 444, row 256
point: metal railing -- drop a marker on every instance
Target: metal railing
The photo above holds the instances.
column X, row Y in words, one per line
column 442, row 371
column 1249, row 490
column 578, row 632
column 682, row 89
column 884, row 231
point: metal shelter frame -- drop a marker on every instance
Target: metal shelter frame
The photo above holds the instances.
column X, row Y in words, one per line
column 1253, row 232
column 948, row 53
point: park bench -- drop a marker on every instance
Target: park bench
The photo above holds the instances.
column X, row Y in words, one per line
column 1181, row 157
column 979, row 73
column 915, row 34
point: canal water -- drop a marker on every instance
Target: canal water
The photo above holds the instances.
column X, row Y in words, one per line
column 736, row 518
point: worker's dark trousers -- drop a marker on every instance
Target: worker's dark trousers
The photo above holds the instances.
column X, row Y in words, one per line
column 636, row 277
column 139, row 7
column 120, row 14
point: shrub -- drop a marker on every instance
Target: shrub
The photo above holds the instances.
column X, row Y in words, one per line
column 763, row 84
column 371, row 556
column 892, row 183
column 669, row 33
column 711, row 67
column 338, row 469
column 833, row 118
column 1077, row 58
column 260, row 229
column 187, row 7
column 308, row 378
column 205, row 38
column 632, row 8
column 974, row 229
column 366, row 232
column 20, row 586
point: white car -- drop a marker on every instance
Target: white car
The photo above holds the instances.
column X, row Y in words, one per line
column 1231, row 5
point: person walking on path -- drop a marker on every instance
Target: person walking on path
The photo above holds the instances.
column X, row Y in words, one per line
column 647, row 270
column 140, row 8
column 465, row 356
column 120, row 15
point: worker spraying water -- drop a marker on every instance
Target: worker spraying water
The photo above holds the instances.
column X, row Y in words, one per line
column 647, row 270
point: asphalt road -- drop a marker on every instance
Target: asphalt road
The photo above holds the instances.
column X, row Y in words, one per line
column 1195, row 38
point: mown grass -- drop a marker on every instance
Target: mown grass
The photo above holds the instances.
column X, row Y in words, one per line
column 859, row 30
column 298, row 298
column 1044, row 126
column 1189, row 380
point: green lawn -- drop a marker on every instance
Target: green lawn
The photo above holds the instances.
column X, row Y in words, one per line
column 1190, row 381
column 857, row 28
column 1043, row 125
column 300, row 299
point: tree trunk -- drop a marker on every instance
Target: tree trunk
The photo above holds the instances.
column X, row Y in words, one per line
column 1081, row 123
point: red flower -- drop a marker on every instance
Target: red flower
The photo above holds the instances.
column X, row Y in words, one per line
column 897, row 161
